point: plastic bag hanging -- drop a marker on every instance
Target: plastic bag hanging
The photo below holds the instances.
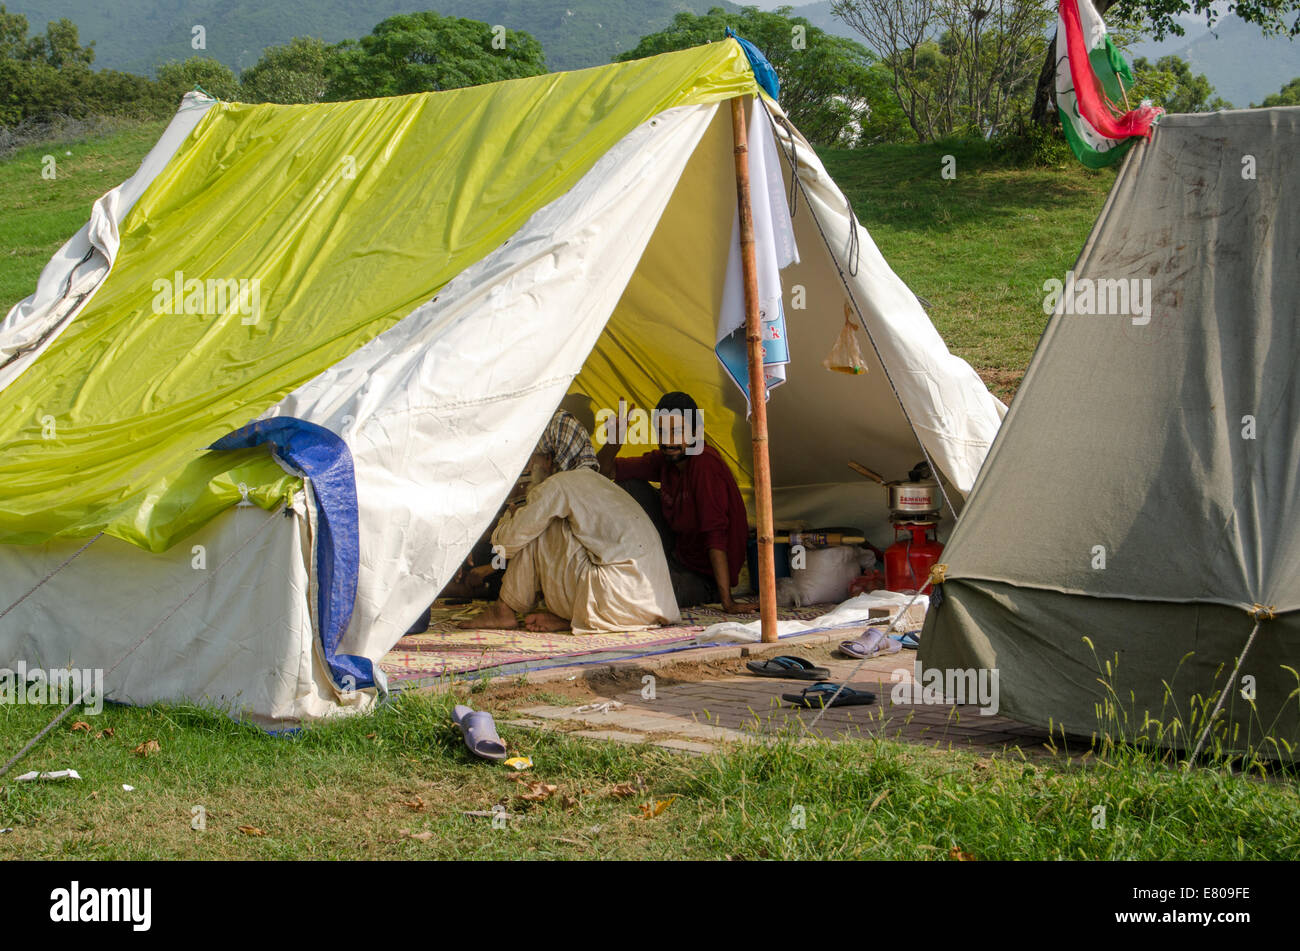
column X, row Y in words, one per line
column 845, row 357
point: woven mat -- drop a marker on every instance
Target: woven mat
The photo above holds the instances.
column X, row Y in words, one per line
column 446, row 650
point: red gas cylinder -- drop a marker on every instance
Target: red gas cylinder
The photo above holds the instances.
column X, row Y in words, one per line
column 908, row 560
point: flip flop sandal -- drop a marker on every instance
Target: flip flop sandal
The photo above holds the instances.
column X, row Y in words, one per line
column 787, row 667
column 480, row 732
column 870, row 644
column 910, row 642
column 819, row 696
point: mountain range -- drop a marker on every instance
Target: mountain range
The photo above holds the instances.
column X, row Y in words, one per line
column 137, row 36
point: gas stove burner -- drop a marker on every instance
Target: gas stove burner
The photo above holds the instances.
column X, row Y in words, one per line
column 916, row 518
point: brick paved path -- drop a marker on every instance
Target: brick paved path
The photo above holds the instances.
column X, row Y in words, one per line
column 694, row 717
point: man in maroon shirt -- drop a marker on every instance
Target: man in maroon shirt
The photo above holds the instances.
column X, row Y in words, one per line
column 698, row 509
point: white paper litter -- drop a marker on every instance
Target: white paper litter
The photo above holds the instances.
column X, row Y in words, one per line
column 57, row 774
column 854, row 611
column 128, row 788
column 602, row 706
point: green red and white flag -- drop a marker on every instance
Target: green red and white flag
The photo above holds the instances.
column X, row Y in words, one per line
column 1091, row 83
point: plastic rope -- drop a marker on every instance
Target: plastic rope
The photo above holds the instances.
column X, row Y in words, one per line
column 69, row 708
column 853, row 244
column 855, row 250
column 32, row 589
column 839, row 688
column 1226, row 687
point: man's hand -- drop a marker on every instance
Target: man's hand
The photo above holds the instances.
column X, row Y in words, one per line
column 734, row 607
column 606, row 454
column 722, row 578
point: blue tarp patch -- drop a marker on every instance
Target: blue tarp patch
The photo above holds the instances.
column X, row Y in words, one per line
column 763, row 71
column 325, row 459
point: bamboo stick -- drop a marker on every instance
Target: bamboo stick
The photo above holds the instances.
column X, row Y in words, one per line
column 757, row 380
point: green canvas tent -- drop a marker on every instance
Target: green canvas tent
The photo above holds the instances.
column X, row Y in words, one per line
column 1138, row 517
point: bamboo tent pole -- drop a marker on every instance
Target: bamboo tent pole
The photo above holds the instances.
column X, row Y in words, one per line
column 757, row 380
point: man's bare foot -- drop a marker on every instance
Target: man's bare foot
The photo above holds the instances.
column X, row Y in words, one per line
column 544, row 621
column 496, row 616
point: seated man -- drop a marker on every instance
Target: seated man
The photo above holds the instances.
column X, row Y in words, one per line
column 589, row 548
column 698, row 510
column 568, row 443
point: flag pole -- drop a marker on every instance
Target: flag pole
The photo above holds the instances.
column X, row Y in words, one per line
column 757, row 380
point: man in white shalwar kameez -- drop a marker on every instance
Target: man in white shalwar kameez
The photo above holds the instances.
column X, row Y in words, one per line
column 591, row 550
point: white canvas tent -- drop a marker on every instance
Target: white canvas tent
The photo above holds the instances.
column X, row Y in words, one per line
column 500, row 247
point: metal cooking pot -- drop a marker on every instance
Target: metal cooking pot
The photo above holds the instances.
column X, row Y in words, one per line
column 914, row 498
column 917, row 495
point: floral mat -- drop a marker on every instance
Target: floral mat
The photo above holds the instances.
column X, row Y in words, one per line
column 446, row 650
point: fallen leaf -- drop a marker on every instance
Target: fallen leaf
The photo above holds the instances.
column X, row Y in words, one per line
column 982, row 764
column 651, row 810
column 417, row 804
column 538, row 792
column 960, row 856
column 251, row 830
column 147, row 748
column 569, row 802
column 422, row 836
column 81, row 726
column 622, row 790
column 371, row 736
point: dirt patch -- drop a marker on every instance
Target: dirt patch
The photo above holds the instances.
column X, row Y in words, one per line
column 588, row 685
column 1001, row 381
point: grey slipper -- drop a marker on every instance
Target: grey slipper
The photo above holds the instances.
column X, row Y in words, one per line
column 480, row 732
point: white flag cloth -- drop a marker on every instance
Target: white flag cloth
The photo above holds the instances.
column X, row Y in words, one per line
column 775, row 249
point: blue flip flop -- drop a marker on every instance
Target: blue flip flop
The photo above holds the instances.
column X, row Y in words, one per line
column 787, row 667
column 910, row 642
column 819, row 696
column 480, row 732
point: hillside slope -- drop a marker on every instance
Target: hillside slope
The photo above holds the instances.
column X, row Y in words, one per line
column 140, row 35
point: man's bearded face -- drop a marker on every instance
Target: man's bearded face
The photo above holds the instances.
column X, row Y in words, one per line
column 672, row 438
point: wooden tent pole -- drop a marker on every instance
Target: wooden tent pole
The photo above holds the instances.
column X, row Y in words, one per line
column 757, row 380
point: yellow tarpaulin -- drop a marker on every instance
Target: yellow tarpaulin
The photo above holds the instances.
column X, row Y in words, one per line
column 278, row 240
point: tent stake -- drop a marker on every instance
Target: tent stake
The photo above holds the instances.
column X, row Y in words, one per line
column 757, row 381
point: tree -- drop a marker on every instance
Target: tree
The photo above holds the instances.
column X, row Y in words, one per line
column 424, row 52
column 126, row 94
column 1159, row 18
column 828, row 87
column 1170, row 82
column 43, row 76
column 175, row 79
column 1289, row 95
column 956, row 65
column 294, row 72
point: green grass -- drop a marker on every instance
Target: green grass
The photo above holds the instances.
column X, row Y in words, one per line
column 978, row 246
column 37, row 214
column 347, row 789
